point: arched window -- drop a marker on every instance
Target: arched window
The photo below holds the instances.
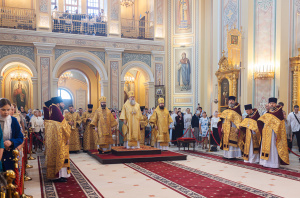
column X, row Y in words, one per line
column 64, row 94
column 94, row 6
column 72, row 6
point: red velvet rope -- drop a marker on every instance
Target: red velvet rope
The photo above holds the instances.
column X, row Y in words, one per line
column 214, row 138
column 181, row 136
column 30, row 143
column 294, row 152
column 38, row 137
column 196, row 138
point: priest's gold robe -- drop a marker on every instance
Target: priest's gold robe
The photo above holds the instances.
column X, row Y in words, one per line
column 104, row 121
column 161, row 119
column 57, row 134
column 89, row 135
column 144, row 122
column 131, row 131
column 248, row 125
column 74, row 137
column 230, row 137
column 274, row 121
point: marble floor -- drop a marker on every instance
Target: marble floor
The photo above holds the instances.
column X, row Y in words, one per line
column 119, row 180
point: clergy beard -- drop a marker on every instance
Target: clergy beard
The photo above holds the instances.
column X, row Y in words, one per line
column 132, row 102
column 90, row 111
column 103, row 106
column 161, row 107
column 272, row 108
column 231, row 105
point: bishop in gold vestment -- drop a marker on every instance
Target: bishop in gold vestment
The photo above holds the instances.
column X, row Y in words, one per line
column 89, row 135
column 227, row 126
column 104, row 121
column 131, row 116
column 161, row 120
column 274, row 149
column 74, row 121
column 251, row 135
column 144, row 122
column 56, row 143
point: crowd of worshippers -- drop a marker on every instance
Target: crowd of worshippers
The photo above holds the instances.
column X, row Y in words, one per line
column 79, row 23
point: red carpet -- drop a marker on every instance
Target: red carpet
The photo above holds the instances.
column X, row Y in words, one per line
column 77, row 186
column 195, row 183
column 282, row 171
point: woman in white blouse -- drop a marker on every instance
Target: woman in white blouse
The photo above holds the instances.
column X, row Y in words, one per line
column 214, row 129
column 37, row 125
column 187, row 123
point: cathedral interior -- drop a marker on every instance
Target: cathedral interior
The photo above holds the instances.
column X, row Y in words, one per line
column 191, row 53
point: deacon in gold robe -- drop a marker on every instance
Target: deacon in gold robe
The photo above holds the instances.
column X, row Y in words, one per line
column 274, row 148
column 74, row 121
column 227, row 126
column 251, row 135
column 144, row 122
column 56, row 143
column 161, row 121
column 89, row 135
column 104, row 121
column 131, row 116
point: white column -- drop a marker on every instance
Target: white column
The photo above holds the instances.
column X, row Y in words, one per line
column 1, row 80
column 104, row 91
column 54, row 87
column 35, row 89
column 113, row 19
column 121, row 101
column 151, row 88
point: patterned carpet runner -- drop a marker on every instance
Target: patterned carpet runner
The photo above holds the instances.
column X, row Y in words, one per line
column 193, row 182
column 77, row 186
column 281, row 172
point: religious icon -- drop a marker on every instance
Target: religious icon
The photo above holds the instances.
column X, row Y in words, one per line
column 184, row 73
column 224, row 92
column 234, row 40
column 159, row 92
column 183, row 16
column 20, row 93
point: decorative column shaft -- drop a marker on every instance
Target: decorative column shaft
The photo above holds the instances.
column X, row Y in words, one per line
column 35, row 91
column 295, row 85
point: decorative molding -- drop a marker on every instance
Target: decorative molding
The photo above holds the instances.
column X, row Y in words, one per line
column 44, row 22
column 114, row 85
column 160, row 12
column 159, row 74
column 45, row 78
column 159, row 59
column 42, row 51
column 59, row 52
column 115, row 7
column 114, row 56
column 231, row 13
column 28, row 36
column 265, row 5
column 128, row 57
column 44, row 6
column 100, row 55
column 183, row 100
column 183, row 40
column 6, row 50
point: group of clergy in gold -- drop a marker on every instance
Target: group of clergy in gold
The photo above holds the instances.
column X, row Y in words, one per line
column 135, row 123
column 258, row 139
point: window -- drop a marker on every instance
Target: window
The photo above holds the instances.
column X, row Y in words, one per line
column 64, row 94
column 93, row 7
column 72, row 6
column 53, row 4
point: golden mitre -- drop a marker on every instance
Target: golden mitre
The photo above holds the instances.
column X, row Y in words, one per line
column 161, row 100
column 102, row 99
column 130, row 94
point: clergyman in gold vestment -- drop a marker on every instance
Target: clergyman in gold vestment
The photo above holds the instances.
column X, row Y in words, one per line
column 74, row 121
column 161, row 121
column 274, row 148
column 56, row 143
column 89, row 135
column 229, row 121
column 131, row 116
column 250, row 135
column 104, row 121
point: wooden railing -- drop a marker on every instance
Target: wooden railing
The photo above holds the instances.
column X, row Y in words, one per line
column 79, row 23
column 17, row 18
column 139, row 29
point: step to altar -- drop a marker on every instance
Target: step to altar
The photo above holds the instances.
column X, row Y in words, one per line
column 114, row 159
column 143, row 150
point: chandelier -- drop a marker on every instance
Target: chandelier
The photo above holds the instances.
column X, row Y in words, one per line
column 265, row 71
column 18, row 76
column 126, row 3
column 65, row 76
